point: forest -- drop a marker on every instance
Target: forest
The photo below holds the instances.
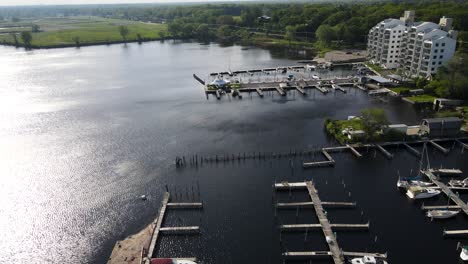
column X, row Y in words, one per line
column 325, row 22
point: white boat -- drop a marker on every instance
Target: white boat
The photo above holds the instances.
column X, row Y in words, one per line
column 422, row 183
column 418, row 192
column 368, row 260
column 459, row 183
column 315, row 77
column 442, row 214
column 171, row 261
column 311, row 67
column 464, row 253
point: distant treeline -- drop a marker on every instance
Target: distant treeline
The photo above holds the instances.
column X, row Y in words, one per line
column 324, row 21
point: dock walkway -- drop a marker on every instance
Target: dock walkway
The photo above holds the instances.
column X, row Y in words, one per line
column 444, row 188
column 325, row 224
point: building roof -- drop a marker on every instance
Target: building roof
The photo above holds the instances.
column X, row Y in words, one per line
column 398, row 78
column 379, row 79
column 443, row 122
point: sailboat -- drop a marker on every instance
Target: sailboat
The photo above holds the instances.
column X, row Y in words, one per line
column 415, row 180
column 442, row 214
column 458, row 183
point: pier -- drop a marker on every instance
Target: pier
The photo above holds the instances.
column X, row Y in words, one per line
column 159, row 229
column 324, row 224
column 455, row 232
column 387, row 154
column 311, row 204
column 412, row 150
column 444, row 188
column 439, row 147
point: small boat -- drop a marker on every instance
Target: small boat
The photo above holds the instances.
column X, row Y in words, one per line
column 422, row 183
column 458, row 183
column 143, row 197
column 171, row 261
column 315, row 77
column 442, row 214
column 464, row 253
column 311, row 67
column 418, row 192
column 368, row 260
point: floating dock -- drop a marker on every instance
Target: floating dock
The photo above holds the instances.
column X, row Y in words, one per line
column 158, row 228
column 311, row 204
column 387, row 154
column 444, row 188
column 439, row 147
column 455, row 232
column 324, row 224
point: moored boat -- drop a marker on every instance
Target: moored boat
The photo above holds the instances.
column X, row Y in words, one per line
column 418, row 192
column 464, row 253
column 442, row 214
column 458, row 183
column 368, row 260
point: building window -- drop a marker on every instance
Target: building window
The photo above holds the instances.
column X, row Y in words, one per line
column 437, row 44
column 440, row 62
column 391, row 61
column 440, row 57
column 393, row 41
column 435, row 57
column 442, row 50
column 391, row 51
column 443, row 44
column 435, row 51
column 433, row 63
column 432, row 69
column 393, row 47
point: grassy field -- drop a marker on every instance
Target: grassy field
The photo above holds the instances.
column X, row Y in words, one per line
column 58, row 32
column 424, row 98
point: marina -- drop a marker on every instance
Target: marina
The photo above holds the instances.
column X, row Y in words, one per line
column 327, row 228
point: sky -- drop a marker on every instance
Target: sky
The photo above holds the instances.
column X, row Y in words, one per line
column 74, row 2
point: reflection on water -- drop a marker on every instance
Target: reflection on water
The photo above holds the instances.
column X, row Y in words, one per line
column 86, row 131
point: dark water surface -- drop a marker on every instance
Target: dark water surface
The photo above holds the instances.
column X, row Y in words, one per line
column 85, row 132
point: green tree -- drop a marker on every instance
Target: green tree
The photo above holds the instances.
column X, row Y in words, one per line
column 26, row 37
column 373, row 120
column 124, row 31
column 162, row 35
column 76, row 39
column 325, row 34
column 225, row 20
column 139, row 38
column 290, row 33
column 35, row 28
column 224, row 33
column 203, row 32
column 15, row 39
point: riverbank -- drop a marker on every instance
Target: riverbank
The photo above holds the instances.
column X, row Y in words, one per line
column 129, row 250
column 87, row 31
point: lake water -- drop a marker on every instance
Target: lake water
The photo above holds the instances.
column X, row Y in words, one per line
column 86, row 131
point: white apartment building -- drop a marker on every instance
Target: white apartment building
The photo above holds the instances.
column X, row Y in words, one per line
column 416, row 48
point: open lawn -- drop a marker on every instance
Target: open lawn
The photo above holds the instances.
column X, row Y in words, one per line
column 58, row 32
column 424, row 98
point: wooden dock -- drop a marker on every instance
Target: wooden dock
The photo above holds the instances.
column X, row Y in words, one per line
column 158, row 228
column 155, row 235
column 301, row 227
column 311, row 204
column 439, row 207
column 330, row 162
column 412, row 150
column 387, row 154
column 354, row 151
column 259, row 92
column 321, row 254
column 464, row 145
column 325, row 224
column 447, row 172
column 444, row 188
column 280, row 91
column 439, row 147
column 184, row 205
column 455, row 232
